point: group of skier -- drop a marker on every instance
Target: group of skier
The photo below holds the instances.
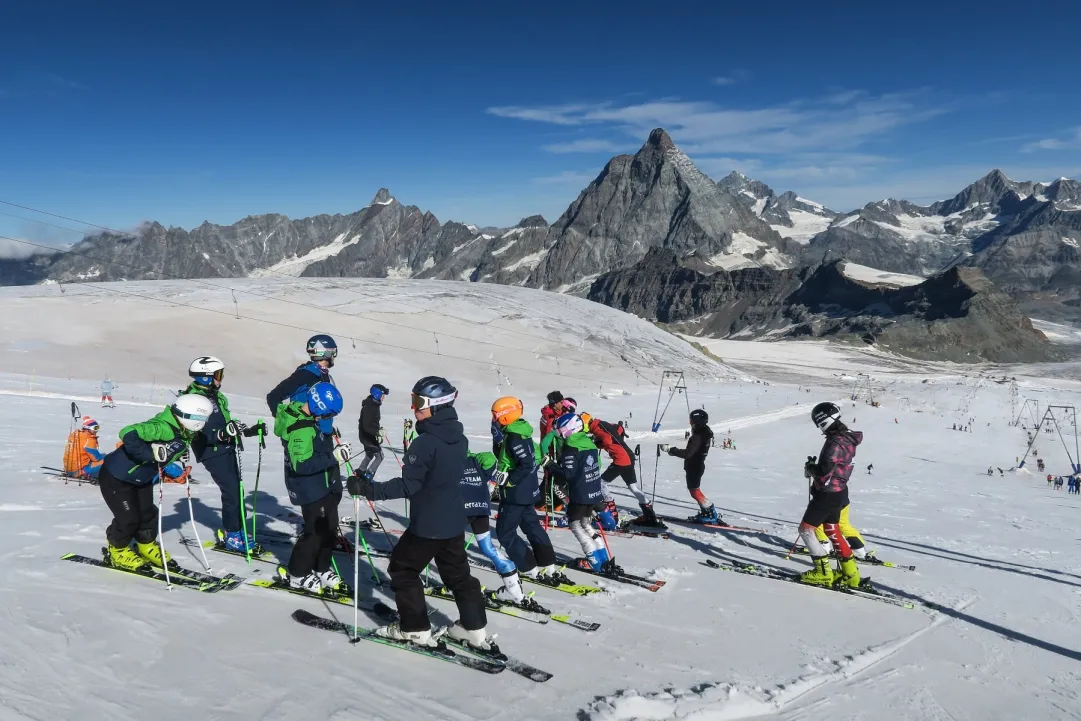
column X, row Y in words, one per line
column 449, row 487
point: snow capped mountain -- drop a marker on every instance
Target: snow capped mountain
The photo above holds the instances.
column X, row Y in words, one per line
column 788, row 214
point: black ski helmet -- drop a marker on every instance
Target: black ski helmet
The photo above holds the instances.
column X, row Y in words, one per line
column 433, row 392
column 825, row 415
column 322, row 347
column 699, row 417
column 554, row 397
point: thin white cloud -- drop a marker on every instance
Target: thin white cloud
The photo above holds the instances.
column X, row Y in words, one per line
column 838, row 122
column 724, row 80
column 585, row 145
column 1069, row 143
column 576, row 178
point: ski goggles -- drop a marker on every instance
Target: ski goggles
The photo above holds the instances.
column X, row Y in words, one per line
column 420, row 403
column 205, row 380
column 324, row 354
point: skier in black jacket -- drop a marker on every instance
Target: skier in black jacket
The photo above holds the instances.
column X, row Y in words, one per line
column 437, row 518
column 694, row 464
column 370, row 428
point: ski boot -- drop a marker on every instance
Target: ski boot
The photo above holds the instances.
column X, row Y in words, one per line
column 151, row 552
column 478, row 639
column 124, row 558
column 550, row 575
column 394, row 632
column 235, row 541
column 648, row 519
column 309, row 583
column 329, row 580
column 608, row 516
column 511, row 591
column 849, row 574
column 611, row 569
column 821, row 575
column 707, row 515
column 597, row 559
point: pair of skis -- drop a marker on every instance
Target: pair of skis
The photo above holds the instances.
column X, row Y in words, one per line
column 178, row 576
column 448, row 649
column 866, row 590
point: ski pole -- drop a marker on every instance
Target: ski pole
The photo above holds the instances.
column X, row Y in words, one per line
column 161, row 541
column 656, row 466
column 255, row 491
column 356, row 566
column 604, row 538
column 191, row 515
column 793, row 549
column 243, row 500
column 356, row 520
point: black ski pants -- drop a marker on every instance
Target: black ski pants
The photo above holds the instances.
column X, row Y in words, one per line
column 625, row 472
column 313, row 549
column 224, row 471
column 526, row 556
column 408, row 560
column 134, row 512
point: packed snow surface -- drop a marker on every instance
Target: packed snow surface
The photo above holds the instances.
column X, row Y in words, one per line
column 998, row 553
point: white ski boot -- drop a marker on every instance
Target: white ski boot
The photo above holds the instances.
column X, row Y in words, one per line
column 394, row 632
column 511, row 592
column 478, row 639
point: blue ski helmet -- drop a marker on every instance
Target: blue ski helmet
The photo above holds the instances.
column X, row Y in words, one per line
column 324, row 401
column 322, row 347
column 378, row 391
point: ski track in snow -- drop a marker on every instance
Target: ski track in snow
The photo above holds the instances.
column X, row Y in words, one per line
column 80, row 642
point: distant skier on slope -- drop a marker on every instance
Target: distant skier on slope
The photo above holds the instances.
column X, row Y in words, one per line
column 431, row 479
column 694, row 465
column 148, row 451
column 829, row 495
column 82, row 459
column 216, row 445
column 370, row 428
column 322, row 350
column 314, row 482
column 107, row 394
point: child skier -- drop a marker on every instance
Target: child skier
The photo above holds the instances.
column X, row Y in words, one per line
column 516, row 476
column 694, row 464
column 580, row 465
column 148, row 451
column 107, row 394
column 314, row 482
column 553, row 489
column 829, row 476
column 476, row 476
column 610, row 439
column 370, row 428
column 82, row 459
column 431, row 479
column 215, row 446
column 322, row 350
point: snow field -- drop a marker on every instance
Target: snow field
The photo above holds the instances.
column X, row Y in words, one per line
column 997, row 551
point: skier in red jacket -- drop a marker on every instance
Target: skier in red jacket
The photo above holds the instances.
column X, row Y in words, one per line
column 610, row 438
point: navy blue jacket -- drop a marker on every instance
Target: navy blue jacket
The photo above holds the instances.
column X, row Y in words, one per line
column 431, row 478
column 311, row 471
column 522, row 487
column 475, row 479
column 369, row 424
column 582, row 470
column 205, row 445
column 133, row 462
column 303, row 378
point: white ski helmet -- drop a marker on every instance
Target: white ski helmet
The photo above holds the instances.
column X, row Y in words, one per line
column 192, row 411
column 206, row 369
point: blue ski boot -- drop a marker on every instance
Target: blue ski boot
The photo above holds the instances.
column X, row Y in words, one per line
column 708, row 515
column 597, row 559
column 234, row 541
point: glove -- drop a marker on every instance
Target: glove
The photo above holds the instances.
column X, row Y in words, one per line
column 664, row 448
column 499, row 478
column 497, row 432
column 250, row 431
column 173, row 470
column 360, row 484
column 228, row 433
column 809, row 467
column 160, row 452
column 342, row 454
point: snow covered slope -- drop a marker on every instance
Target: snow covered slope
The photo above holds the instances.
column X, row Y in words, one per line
column 997, row 552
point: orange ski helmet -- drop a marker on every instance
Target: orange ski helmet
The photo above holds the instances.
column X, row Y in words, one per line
column 507, row 410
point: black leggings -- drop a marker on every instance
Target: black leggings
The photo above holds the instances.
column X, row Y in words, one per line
column 312, row 551
column 134, row 512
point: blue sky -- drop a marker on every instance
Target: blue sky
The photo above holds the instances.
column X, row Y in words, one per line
column 181, row 112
